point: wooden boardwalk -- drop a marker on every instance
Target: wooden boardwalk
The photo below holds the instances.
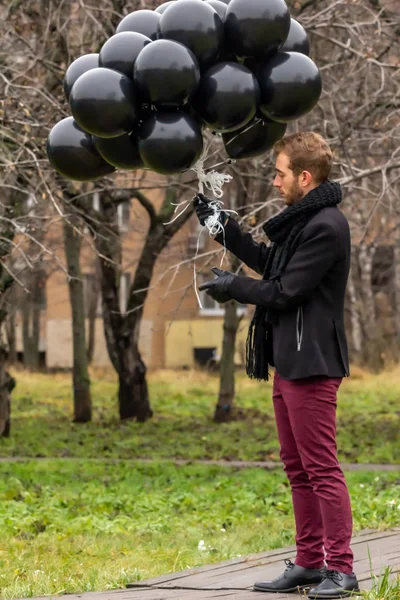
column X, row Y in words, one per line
column 233, row 579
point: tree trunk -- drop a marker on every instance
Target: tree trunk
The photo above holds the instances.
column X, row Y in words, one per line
column 223, row 410
column 397, row 289
column 92, row 315
column 9, row 205
column 356, row 332
column 4, row 397
column 133, row 386
column 122, row 331
column 81, row 381
column 7, row 384
column 91, row 335
column 31, row 326
column 10, row 329
column 371, row 351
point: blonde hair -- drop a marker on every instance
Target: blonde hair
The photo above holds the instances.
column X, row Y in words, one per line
column 307, row 151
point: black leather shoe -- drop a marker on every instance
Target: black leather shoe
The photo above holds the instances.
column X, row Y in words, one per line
column 335, row 585
column 293, row 579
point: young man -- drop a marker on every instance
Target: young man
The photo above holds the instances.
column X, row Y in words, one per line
column 298, row 328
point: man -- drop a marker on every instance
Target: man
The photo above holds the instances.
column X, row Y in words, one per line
column 298, row 327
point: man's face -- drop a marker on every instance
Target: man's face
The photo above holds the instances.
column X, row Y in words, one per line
column 286, row 182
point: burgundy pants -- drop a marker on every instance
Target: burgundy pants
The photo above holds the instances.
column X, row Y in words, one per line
column 305, row 412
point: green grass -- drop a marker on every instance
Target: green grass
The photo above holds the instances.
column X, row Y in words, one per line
column 183, row 403
column 75, row 526
column 386, row 586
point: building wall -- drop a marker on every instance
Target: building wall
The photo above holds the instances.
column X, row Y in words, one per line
column 184, row 337
column 59, row 343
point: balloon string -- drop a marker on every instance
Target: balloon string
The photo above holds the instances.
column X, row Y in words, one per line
column 253, row 124
column 213, row 181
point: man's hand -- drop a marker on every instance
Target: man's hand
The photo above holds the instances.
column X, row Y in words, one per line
column 203, row 210
column 218, row 288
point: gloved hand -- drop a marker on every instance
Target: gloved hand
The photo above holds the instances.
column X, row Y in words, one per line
column 203, row 210
column 218, row 288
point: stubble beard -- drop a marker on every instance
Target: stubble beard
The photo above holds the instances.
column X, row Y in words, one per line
column 294, row 195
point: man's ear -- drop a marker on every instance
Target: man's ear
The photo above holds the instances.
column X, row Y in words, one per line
column 306, row 178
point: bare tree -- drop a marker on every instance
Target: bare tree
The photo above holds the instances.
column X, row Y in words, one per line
column 356, row 46
column 81, row 380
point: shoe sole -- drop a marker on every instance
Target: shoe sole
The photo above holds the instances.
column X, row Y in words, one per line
column 298, row 588
column 335, row 596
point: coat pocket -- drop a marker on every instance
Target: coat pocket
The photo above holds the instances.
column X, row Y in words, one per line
column 342, row 344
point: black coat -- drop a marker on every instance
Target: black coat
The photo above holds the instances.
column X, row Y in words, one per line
column 308, row 335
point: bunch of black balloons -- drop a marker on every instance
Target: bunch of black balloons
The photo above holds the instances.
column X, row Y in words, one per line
column 239, row 67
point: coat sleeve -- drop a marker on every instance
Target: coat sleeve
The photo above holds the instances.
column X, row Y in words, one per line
column 313, row 258
column 253, row 254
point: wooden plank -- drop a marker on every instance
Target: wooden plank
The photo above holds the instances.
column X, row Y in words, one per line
column 238, row 575
column 281, row 552
column 234, row 579
column 242, row 574
column 260, row 558
column 168, row 594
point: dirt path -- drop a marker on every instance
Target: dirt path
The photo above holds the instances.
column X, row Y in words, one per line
column 237, row 464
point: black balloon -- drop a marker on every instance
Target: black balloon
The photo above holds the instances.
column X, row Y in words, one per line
column 167, row 73
column 254, row 139
column 77, row 68
column 254, row 64
column 104, row 103
column 219, row 6
column 290, row 85
column 170, row 142
column 121, row 152
column 297, row 40
column 188, row 109
column 227, row 97
column 72, row 154
column 143, row 21
column 121, row 51
column 256, row 28
column 196, row 25
column 163, row 7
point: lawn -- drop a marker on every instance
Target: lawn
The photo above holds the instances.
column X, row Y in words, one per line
column 74, row 526
column 80, row 525
column 182, row 427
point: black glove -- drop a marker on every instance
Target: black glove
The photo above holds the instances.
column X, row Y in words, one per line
column 218, row 288
column 203, row 210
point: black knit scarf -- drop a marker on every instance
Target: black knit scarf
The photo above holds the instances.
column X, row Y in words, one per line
column 283, row 231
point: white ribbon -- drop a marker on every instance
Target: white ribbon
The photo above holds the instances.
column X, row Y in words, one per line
column 214, row 182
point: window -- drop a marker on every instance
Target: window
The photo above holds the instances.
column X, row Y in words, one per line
column 96, row 201
column 36, row 297
column 124, row 213
column 40, row 293
column 210, row 306
column 197, row 238
column 124, row 289
column 92, row 295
